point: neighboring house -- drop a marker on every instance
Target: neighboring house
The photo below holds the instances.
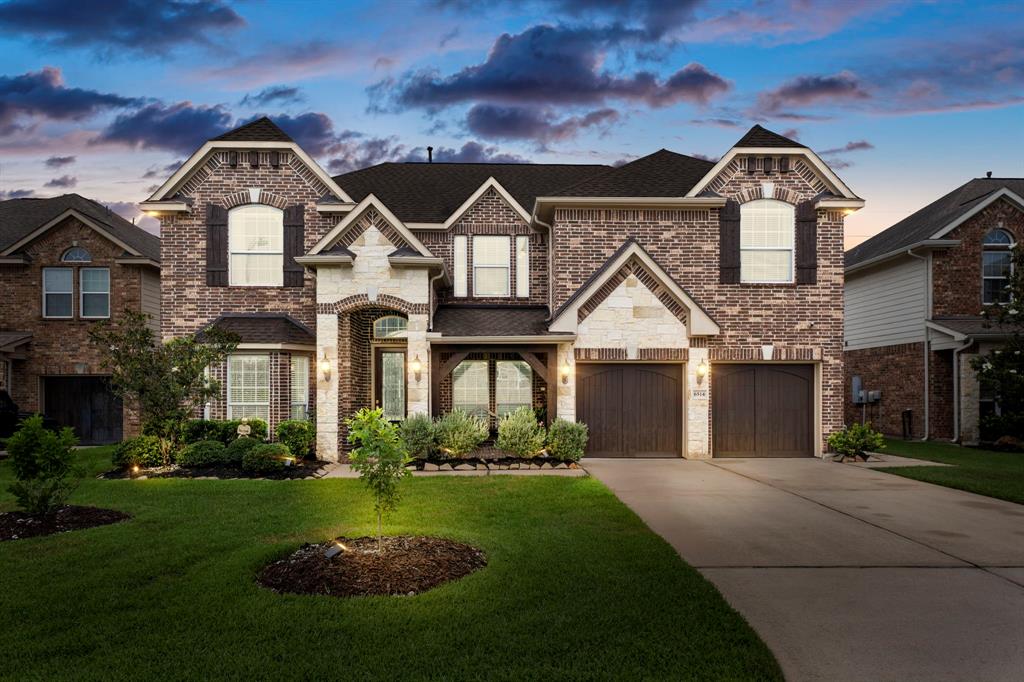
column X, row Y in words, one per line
column 914, row 297
column 66, row 263
column 679, row 307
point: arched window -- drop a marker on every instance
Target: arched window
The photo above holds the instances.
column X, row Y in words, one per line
column 767, row 229
column 256, row 246
column 996, row 266
column 76, row 254
column 389, row 327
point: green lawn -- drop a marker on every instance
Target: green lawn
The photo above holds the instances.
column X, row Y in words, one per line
column 987, row 472
column 576, row 588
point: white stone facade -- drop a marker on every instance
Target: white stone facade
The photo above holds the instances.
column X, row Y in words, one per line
column 631, row 317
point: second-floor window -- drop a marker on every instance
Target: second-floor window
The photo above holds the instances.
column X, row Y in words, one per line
column 58, row 292
column 996, row 267
column 491, row 269
column 256, row 246
column 767, row 236
column 94, row 290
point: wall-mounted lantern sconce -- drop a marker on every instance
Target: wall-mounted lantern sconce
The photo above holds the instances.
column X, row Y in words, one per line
column 416, row 367
column 325, row 368
column 702, row 370
column 565, row 371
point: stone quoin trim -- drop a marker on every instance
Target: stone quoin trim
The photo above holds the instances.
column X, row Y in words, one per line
column 350, row 303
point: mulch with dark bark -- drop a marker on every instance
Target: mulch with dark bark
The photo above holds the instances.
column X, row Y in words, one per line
column 303, row 469
column 17, row 525
column 406, row 566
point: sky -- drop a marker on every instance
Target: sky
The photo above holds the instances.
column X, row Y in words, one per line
column 905, row 100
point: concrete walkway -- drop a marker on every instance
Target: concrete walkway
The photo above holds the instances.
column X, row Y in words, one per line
column 846, row 573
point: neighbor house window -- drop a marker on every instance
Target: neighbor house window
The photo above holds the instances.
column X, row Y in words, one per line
column 389, row 327
column 249, row 386
column 767, row 229
column 996, row 267
column 76, row 254
column 469, row 387
column 491, row 266
column 300, row 387
column 522, row 267
column 58, row 292
column 94, row 286
column 461, row 254
column 256, row 245
column 514, row 388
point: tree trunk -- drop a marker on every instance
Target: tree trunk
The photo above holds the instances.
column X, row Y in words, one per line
column 380, row 531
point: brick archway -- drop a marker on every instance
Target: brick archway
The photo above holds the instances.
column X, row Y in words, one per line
column 245, row 197
column 357, row 301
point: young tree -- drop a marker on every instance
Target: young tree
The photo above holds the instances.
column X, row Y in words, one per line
column 43, row 463
column 380, row 457
column 167, row 381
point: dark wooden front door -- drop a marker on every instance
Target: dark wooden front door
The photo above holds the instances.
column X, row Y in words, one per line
column 87, row 405
column 631, row 410
column 390, row 382
column 762, row 410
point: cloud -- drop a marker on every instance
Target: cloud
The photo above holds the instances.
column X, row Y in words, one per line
column 180, row 127
column 43, row 95
column 59, row 161
column 130, row 211
column 497, row 122
column 16, row 194
column 814, row 89
column 289, row 61
column 63, row 181
column 144, row 27
column 360, row 151
column 549, row 65
column 449, row 36
column 471, row 152
column 717, row 122
column 856, row 146
column 705, row 157
column 791, row 133
column 161, row 171
column 313, row 131
column 275, row 93
column 658, row 17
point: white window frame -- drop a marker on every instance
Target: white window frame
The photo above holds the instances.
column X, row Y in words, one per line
column 70, row 292
column 460, row 250
column 996, row 248
column 792, row 248
column 522, row 266
column 66, row 257
column 479, row 239
column 82, row 294
column 279, row 277
column 228, row 372
column 401, row 333
column 303, row 362
column 487, row 387
column 498, row 386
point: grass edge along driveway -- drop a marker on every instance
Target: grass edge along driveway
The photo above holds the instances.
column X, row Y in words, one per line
column 577, row 587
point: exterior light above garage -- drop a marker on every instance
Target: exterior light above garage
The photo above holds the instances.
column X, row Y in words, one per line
column 565, row 371
column 702, row 370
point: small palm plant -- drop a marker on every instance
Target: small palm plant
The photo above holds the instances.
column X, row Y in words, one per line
column 380, row 457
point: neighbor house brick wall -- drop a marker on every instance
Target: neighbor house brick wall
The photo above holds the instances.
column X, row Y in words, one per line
column 61, row 347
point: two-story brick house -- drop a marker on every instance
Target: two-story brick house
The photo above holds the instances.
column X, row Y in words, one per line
column 914, row 297
column 677, row 306
column 65, row 263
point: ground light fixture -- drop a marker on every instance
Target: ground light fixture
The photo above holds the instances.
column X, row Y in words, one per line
column 335, row 549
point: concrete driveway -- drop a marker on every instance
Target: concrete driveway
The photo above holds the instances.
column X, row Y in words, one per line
column 846, row 573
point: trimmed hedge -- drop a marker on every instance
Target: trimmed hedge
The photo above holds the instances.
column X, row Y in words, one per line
column 417, row 432
column 236, row 450
column 299, row 435
column 203, row 454
column 458, row 433
column 521, row 434
column 143, row 451
column 225, row 431
column 567, row 440
column 266, row 458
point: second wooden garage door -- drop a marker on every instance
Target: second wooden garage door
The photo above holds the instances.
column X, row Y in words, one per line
column 631, row 410
column 762, row 410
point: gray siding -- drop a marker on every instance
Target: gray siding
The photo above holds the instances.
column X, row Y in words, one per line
column 150, row 287
column 885, row 306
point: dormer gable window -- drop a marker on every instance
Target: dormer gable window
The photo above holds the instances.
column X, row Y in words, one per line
column 996, row 266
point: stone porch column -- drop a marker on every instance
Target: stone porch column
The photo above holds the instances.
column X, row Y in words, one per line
column 698, row 406
column 566, row 395
column 326, row 388
column 418, row 390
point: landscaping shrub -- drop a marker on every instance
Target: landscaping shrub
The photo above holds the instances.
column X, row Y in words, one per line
column 43, row 466
column 521, row 434
column 380, row 458
column 143, row 451
column 299, row 435
column 200, row 429
column 236, row 450
column 459, row 433
column 225, row 431
column 855, row 440
column 257, row 429
column 417, row 433
column 205, row 453
column 266, row 458
column 567, row 440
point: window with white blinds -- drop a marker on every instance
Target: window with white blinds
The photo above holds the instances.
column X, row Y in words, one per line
column 300, row 387
column 767, row 235
column 470, row 387
column 491, row 266
column 256, row 246
column 249, row 386
column 514, row 386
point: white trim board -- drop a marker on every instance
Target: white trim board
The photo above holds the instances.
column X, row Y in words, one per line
column 826, row 172
column 490, row 183
column 1004, row 192
column 348, row 221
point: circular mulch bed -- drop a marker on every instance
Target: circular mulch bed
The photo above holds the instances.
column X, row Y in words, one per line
column 406, row 566
column 17, row 525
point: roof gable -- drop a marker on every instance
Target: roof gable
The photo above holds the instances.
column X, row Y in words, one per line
column 351, row 222
column 661, row 174
column 260, row 130
column 762, row 137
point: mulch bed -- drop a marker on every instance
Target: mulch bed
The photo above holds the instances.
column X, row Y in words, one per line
column 407, row 566
column 17, row 525
column 303, row 469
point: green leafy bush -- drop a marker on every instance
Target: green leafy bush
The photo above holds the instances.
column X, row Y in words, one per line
column 143, row 451
column 855, row 440
column 266, row 458
column 43, row 466
column 567, row 440
column 196, row 430
column 521, row 434
column 380, row 458
column 299, row 435
column 236, row 450
column 225, row 431
column 417, row 433
column 459, row 433
column 205, row 453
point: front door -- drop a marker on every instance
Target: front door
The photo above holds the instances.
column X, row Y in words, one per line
column 389, row 382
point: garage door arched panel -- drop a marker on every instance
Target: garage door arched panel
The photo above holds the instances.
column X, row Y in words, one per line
column 762, row 410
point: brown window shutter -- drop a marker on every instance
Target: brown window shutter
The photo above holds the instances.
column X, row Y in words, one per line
column 294, row 244
column 806, row 243
column 783, row 164
column 751, row 164
column 216, row 246
column 233, row 159
column 766, row 164
column 729, row 242
column 275, row 159
column 254, row 159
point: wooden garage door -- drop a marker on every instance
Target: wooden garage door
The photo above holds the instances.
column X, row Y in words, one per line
column 762, row 410
column 631, row 410
column 87, row 405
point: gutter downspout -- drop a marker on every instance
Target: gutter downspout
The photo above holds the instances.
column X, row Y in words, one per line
column 927, row 335
column 551, row 255
column 430, row 307
column 956, row 388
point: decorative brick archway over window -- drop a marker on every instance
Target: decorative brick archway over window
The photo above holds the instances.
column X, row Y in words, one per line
column 356, row 301
column 263, row 197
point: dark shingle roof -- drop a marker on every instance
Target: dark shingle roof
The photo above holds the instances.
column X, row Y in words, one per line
column 20, row 217
column 431, row 192
column 12, row 339
column 926, row 222
column 661, row 174
column 491, row 320
column 260, row 130
column 973, row 326
column 762, row 137
column 263, row 328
